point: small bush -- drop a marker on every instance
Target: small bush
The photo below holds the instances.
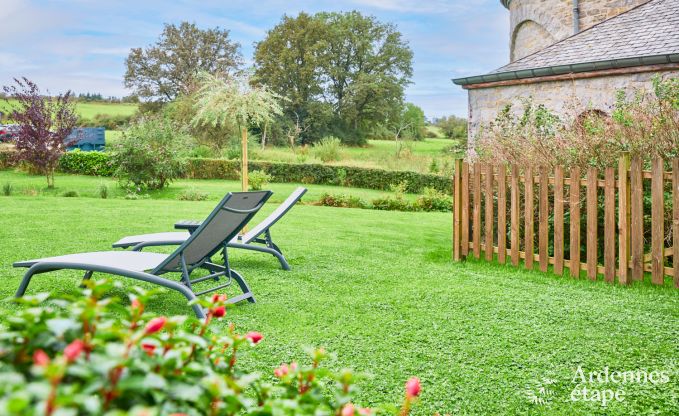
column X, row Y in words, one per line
column 93, row 355
column 202, row 151
column 192, row 195
column 103, row 191
column 86, row 163
column 150, row 154
column 7, row 188
column 342, row 201
column 258, row 180
column 328, row 149
column 70, row 194
column 392, row 203
column 433, row 200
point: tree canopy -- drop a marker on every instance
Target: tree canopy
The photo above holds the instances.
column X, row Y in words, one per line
column 341, row 72
column 166, row 69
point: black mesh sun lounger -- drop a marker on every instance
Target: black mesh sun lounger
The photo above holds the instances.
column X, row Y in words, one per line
column 257, row 239
column 212, row 236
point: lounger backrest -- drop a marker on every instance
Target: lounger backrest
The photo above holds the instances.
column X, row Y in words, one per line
column 224, row 223
column 275, row 216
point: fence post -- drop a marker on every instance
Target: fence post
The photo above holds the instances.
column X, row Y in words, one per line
column 623, row 219
column 501, row 214
column 476, row 211
column 464, row 211
column 528, row 218
column 457, row 209
column 637, row 219
column 657, row 229
column 489, row 213
column 574, row 208
column 543, row 226
column 609, row 226
column 592, row 222
column 516, row 209
column 675, row 221
column 558, row 220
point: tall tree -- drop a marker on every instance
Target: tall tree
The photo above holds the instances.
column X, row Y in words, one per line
column 166, row 69
column 44, row 124
column 366, row 65
column 342, row 72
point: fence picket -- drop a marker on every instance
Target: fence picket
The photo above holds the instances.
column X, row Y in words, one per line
column 476, row 209
column 623, row 220
column 637, row 224
column 675, row 221
column 609, row 226
column 465, row 210
column 574, row 209
column 457, row 210
column 516, row 208
column 657, row 232
column 592, row 223
column 528, row 218
column 543, row 228
column 489, row 213
column 501, row 214
column 558, row 220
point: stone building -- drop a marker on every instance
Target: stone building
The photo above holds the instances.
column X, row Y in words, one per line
column 565, row 51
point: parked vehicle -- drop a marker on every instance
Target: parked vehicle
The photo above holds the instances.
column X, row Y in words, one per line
column 6, row 132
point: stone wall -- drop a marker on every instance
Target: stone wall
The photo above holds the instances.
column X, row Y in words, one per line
column 565, row 98
column 555, row 17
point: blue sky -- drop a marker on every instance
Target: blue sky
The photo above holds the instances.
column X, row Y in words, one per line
column 82, row 44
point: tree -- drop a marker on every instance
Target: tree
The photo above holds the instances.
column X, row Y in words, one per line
column 366, row 67
column 44, row 124
column 221, row 102
column 413, row 121
column 341, row 72
column 166, row 69
column 453, row 127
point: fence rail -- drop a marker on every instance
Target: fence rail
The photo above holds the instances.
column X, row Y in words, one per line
column 614, row 236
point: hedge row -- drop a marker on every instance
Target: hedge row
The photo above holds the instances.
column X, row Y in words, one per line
column 320, row 175
column 99, row 164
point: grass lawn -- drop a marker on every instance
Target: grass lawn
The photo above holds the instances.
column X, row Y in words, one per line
column 379, row 290
column 89, row 110
column 88, row 186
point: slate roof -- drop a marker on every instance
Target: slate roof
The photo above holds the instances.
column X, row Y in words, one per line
column 648, row 30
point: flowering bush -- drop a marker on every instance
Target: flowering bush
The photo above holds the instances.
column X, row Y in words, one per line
column 91, row 355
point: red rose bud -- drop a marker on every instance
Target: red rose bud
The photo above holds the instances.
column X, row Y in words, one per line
column 413, row 387
column 219, row 311
column 348, row 410
column 293, row 366
column 148, row 348
column 281, row 371
column 254, row 337
column 136, row 304
column 365, row 411
column 73, row 350
column 155, row 325
column 40, row 358
column 218, row 298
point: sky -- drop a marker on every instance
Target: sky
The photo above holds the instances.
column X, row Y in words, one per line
column 81, row 45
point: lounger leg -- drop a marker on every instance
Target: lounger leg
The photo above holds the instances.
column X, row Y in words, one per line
column 25, row 281
column 247, row 293
column 87, row 276
column 261, row 249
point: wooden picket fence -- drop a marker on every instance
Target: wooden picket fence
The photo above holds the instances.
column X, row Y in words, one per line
column 483, row 222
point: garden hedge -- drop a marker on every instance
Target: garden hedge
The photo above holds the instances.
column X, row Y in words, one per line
column 320, row 175
column 99, row 164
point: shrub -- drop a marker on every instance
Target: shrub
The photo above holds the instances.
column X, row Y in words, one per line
column 433, row 200
column 150, row 154
column 86, row 163
column 342, row 201
column 319, row 174
column 70, row 194
column 7, row 188
column 92, row 355
column 192, row 195
column 110, row 122
column 103, row 191
column 328, row 149
column 201, row 151
column 258, row 179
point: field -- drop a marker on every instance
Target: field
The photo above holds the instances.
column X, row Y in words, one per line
column 378, row 289
column 89, row 110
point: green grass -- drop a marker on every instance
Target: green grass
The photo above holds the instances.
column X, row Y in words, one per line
column 88, row 186
column 378, row 289
column 89, row 110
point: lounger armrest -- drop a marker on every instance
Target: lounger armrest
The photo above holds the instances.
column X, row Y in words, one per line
column 189, row 225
